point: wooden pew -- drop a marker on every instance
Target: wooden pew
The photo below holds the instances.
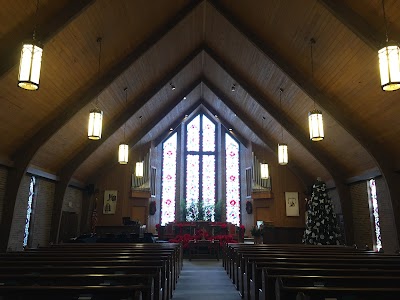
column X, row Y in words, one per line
column 41, row 279
column 92, row 273
column 337, row 287
column 238, row 253
column 73, row 292
column 107, row 255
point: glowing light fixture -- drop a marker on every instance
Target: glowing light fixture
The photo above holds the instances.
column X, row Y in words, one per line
column 315, row 122
column 283, row 158
column 389, row 62
column 123, row 148
column 95, row 124
column 123, row 153
column 139, row 169
column 264, row 171
column 96, row 115
column 316, row 125
column 30, row 62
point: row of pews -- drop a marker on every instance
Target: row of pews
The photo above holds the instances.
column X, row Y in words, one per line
column 304, row 272
column 92, row 272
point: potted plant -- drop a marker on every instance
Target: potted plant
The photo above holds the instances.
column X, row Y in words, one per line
column 257, row 234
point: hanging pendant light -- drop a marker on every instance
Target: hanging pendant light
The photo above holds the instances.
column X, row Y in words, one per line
column 95, row 124
column 283, row 158
column 123, row 152
column 123, row 149
column 264, row 171
column 139, row 169
column 315, row 122
column 30, row 62
column 316, row 125
column 389, row 62
column 96, row 115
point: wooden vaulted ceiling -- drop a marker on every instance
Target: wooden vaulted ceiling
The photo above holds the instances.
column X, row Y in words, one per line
column 202, row 47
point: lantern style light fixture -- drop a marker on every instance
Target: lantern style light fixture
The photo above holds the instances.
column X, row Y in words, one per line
column 30, row 62
column 389, row 62
column 139, row 169
column 316, row 125
column 283, row 157
column 264, row 171
column 123, row 148
column 315, row 122
column 96, row 115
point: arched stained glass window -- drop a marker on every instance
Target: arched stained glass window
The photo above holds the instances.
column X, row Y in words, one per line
column 232, row 180
column 169, row 180
column 200, row 169
column 29, row 210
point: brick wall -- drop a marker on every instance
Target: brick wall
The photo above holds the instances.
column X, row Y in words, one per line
column 334, row 195
column 361, row 215
column 3, row 183
column 40, row 232
column 73, row 202
column 388, row 228
column 18, row 225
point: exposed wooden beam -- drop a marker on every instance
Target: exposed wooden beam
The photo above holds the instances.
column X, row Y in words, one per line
column 224, row 122
column 355, row 23
column 12, row 41
column 295, row 131
column 70, row 167
column 25, row 153
column 305, row 178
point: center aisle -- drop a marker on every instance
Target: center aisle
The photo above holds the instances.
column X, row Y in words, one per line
column 204, row 279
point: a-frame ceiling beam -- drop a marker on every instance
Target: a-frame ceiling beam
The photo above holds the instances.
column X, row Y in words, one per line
column 383, row 160
column 355, row 23
column 224, row 122
column 25, row 153
column 12, row 41
column 296, row 132
column 305, row 178
column 70, row 167
column 107, row 166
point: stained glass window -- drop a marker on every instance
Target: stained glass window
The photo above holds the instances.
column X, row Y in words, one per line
column 168, row 180
column 208, row 135
column 192, row 186
column 32, row 186
column 193, row 135
column 200, row 169
column 232, row 180
column 208, row 186
column 375, row 213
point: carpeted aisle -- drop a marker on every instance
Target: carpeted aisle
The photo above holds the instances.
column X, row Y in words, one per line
column 204, row 279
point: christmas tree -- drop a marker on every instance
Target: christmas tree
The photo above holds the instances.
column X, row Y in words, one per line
column 321, row 223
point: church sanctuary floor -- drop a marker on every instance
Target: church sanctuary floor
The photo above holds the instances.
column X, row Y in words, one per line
column 204, row 279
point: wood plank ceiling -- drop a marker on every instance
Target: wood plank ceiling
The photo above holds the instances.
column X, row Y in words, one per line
column 202, row 47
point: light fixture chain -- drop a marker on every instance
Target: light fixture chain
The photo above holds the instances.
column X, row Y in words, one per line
column 126, row 105
column 99, row 40
column 36, row 20
column 312, row 42
column 384, row 18
column 280, row 104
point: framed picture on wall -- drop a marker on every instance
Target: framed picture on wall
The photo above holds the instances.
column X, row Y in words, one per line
column 110, row 202
column 292, row 204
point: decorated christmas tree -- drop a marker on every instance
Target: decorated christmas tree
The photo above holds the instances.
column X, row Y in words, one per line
column 321, row 224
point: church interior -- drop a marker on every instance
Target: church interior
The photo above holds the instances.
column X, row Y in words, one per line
column 173, row 118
